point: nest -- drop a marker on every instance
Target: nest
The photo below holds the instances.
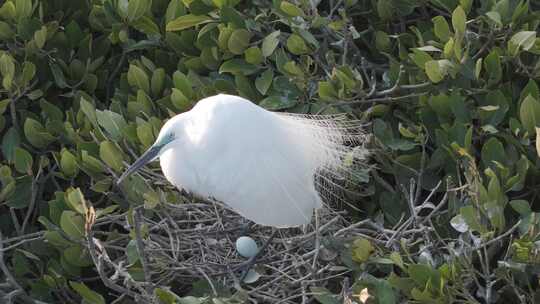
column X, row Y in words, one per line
column 196, row 241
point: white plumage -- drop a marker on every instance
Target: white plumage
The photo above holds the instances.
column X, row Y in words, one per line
column 262, row 164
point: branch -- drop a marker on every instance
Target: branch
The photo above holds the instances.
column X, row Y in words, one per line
column 140, row 248
column 498, row 238
column 9, row 277
column 98, row 262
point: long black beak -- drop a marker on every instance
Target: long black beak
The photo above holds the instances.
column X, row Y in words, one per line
column 147, row 157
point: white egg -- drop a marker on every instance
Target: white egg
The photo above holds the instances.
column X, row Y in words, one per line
column 246, row 246
column 252, row 276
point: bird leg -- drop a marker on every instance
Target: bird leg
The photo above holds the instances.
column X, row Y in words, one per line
column 247, row 265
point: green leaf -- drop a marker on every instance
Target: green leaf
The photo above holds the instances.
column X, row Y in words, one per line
column 503, row 8
column 237, row 66
column 523, row 40
column 291, row 9
column 145, row 134
column 253, row 55
column 131, row 252
column 29, row 70
column 10, row 142
column 397, row 259
column 23, row 161
column 68, row 163
column 36, row 134
column 239, row 41
column 492, row 64
column 146, row 25
column 433, row 71
column 495, row 17
column 530, row 89
column 166, row 296
column 112, row 122
column 88, row 295
column 270, row 43
column 459, row 19
column 106, row 211
column 245, row 87
column 292, row 68
column 157, row 81
column 75, row 200
column 493, row 151
column 89, row 110
column 296, row 45
column 5, row 31
column 72, row 224
column 111, row 155
column 90, row 164
column 379, row 289
column 441, row 28
column 385, row 9
column 521, row 10
column 8, row 11
column 40, row 37
column 275, row 103
column 181, row 82
column 478, row 68
column 179, row 100
column 187, row 21
column 20, row 197
column 263, row 82
column 326, row 91
column 529, row 114
column 23, row 9
column 521, row 206
column 324, row 296
column 137, row 9
column 382, row 41
column 420, row 57
column 4, row 104
column 423, row 274
column 58, row 75
column 471, row 217
column 7, row 69
column 137, row 77
column 77, row 256
column 175, row 9
column 362, row 249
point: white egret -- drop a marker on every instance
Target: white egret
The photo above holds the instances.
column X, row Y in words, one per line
column 264, row 165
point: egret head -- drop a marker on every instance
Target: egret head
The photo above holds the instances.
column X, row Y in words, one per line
column 167, row 135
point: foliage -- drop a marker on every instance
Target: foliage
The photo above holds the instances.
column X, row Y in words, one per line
column 450, row 89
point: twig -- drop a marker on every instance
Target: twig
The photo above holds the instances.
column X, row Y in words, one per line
column 387, row 99
column 20, row 243
column 13, row 108
column 98, row 262
column 23, row 237
column 33, row 198
column 208, row 280
column 140, row 248
column 113, row 74
column 10, row 278
column 15, row 221
column 396, row 85
column 498, row 238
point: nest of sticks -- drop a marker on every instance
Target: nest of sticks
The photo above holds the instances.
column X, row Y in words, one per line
column 195, row 241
